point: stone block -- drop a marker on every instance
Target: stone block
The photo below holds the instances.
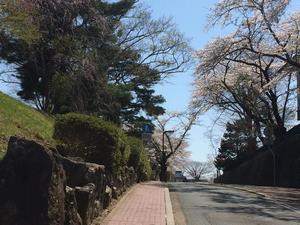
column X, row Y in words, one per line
column 32, row 185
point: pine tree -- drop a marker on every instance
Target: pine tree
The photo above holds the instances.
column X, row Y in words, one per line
column 238, row 144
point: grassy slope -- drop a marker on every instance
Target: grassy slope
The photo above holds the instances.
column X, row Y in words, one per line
column 19, row 119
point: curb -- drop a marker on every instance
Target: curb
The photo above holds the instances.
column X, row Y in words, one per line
column 262, row 195
column 169, row 210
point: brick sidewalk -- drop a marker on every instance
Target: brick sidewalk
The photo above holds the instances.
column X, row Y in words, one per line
column 144, row 205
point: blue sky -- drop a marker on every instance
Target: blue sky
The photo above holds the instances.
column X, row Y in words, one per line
column 190, row 17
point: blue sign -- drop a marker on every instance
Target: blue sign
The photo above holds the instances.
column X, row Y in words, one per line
column 147, row 128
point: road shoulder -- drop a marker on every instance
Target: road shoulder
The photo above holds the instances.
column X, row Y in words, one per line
column 169, row 210
column 178, row 214
column 274, row 194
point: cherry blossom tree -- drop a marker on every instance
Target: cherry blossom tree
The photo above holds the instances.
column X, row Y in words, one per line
column 251, row 72
column 169, row 141
column 197, row 169
column 263, row 28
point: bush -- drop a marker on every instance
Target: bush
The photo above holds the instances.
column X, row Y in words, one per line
column 139, row 159
column 94, row 140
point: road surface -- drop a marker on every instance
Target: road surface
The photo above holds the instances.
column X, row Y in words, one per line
column 204, row 204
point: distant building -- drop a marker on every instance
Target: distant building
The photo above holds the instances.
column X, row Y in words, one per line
column 179, row 177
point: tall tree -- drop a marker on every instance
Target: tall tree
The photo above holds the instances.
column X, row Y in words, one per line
column 250, row 71
column 149, row 51
column 238, row 144
column 16, row 20
column 197, row 170
column 95, row 57
column 169, row 139
column 263, row 28
column 73, row 36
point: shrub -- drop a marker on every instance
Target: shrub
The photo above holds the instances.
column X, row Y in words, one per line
column 94, row 140
column 139, row 159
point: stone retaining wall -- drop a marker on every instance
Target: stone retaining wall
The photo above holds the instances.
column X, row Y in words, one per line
column 39, row 186
column 259, row 169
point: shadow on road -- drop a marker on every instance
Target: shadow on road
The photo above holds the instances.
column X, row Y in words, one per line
column 226, row 200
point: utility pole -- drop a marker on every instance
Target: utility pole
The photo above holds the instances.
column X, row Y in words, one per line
column 298, row 95
column 163, row 137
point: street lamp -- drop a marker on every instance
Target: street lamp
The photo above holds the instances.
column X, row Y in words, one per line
column 166, row 132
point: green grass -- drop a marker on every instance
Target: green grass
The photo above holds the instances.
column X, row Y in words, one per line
column 21, row 120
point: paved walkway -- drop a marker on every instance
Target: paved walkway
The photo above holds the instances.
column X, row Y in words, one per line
column 143, row 205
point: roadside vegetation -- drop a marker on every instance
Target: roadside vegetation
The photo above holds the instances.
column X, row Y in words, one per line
column 102, row 60
column 101, row 142
column 16, row 118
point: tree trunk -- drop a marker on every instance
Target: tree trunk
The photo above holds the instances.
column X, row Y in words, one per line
column 279, row 133
column 163, row 176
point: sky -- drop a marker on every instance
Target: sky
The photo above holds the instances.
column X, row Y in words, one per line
column 190, row 17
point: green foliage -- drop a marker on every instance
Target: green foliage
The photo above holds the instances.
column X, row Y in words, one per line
column 61, row 90
column 17, row 22
column 1, row 155
column 99, row 141
column 19, row 119
column 81, row 46
column 139, row 159
column 103, row 58
column 237, row 145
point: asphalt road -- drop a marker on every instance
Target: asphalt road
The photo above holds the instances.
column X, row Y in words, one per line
column 204, row 204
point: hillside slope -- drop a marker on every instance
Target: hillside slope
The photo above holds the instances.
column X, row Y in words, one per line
column 16, row 118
